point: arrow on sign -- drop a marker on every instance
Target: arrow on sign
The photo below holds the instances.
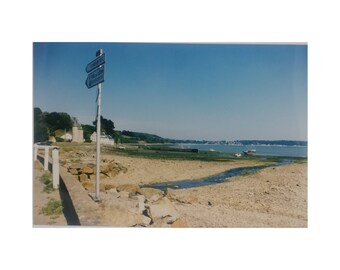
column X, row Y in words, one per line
column 95, row 63
column 95, row 77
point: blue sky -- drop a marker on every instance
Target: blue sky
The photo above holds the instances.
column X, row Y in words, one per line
column 182, row 91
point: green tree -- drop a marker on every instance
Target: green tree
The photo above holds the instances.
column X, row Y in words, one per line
column 57, row 121
column 40, row 127
column 106, row 125
column 117, row 136
column 88, row 130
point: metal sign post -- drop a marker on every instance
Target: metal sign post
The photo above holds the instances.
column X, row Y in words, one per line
column 98, row 143
column 96, row 77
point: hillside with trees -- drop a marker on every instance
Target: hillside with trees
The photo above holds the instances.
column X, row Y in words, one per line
column 133, row 137
column 56, row 123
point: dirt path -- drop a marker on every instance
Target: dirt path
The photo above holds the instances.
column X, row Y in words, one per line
column 41, row 199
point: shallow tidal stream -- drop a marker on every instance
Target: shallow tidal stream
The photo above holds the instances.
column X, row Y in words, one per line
column 216, row 179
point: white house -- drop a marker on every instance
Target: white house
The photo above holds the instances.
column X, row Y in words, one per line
column 67, row 137
column 104, row 139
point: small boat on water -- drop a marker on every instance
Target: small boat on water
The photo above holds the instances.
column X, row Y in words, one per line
column 249, row 152
column 238, row 155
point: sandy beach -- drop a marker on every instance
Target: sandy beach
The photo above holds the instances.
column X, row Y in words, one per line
column 272, row 197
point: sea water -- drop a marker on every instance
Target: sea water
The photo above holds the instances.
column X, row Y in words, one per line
column 262, row 150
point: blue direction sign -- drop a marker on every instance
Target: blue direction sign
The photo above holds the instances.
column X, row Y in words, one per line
column 95, row 63
column 95, row 77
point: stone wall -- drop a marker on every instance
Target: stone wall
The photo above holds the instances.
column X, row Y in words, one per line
column 120, row 206
column 88, row 211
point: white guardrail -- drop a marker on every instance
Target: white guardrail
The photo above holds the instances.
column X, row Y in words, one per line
column 55, row 161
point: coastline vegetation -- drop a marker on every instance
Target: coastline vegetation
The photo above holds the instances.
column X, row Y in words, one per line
column 46, row 180
column 53, row 208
